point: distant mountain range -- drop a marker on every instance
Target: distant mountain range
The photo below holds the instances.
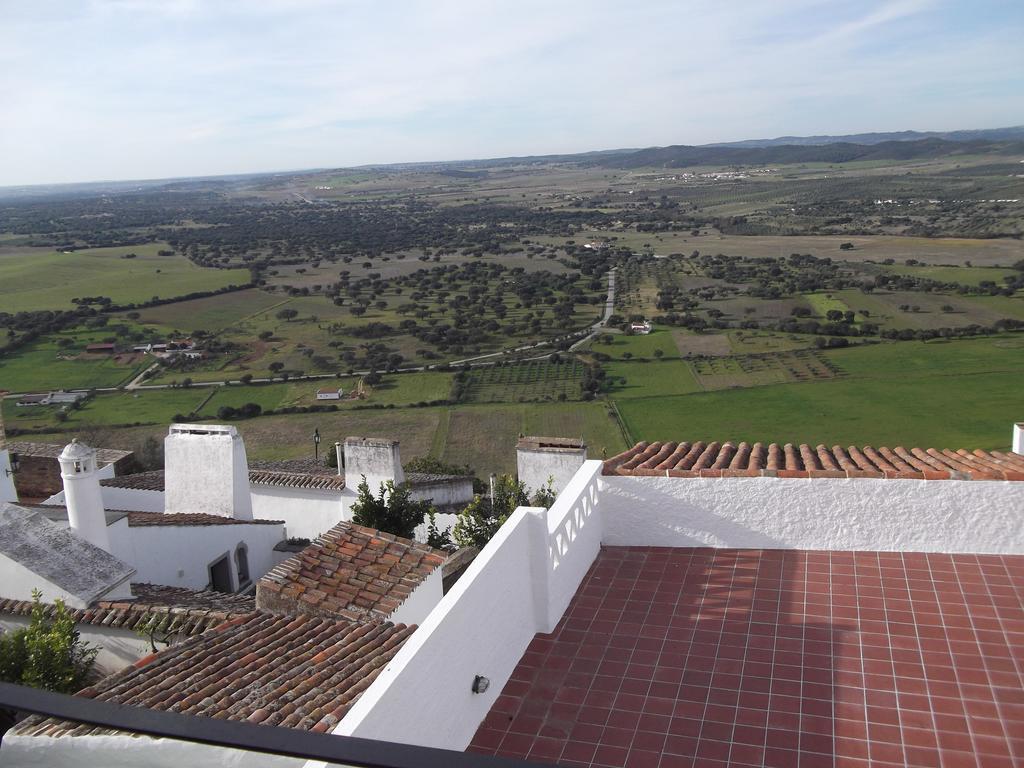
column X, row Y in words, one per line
column 1014, row 133
column 838, row 152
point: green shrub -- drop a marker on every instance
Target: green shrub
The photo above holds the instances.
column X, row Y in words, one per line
column 48, row 653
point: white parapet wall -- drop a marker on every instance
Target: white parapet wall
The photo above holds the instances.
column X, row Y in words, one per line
column 129, row 751
column 978, row 516
column 519, row 585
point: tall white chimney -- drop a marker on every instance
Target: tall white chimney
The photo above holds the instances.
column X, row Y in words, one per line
column 1018, row 438
column 376, row 458
column 82, row 494
column 205, row 470
column 543, row 459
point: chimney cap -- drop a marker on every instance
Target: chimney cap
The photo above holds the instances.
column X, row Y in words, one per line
column 77, row 451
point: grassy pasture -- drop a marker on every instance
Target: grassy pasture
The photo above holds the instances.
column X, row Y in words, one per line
column 44, row 365
column 485, row 436
column 823, row 303
column 39, row 278
column 651, row 379
column 639, row 345
column 963, row 275
column 941, row 394
column 212, row 313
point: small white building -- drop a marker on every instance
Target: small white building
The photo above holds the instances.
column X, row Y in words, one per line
column 329, row 393
column 640, row 329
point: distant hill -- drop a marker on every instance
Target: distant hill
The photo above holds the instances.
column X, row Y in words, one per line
column 840, row 152
column 1014, row 133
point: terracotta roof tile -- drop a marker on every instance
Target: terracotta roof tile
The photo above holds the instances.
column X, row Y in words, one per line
column 700, row 459
column 296, row 671
column 145, row 519
column 167, row 610
column 53, row 451
column 349, row 571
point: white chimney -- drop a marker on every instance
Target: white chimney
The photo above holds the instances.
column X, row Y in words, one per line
column 82, row 494
column 1018, row 438
column 378, row 459
column 205, row 470
column 540, row 459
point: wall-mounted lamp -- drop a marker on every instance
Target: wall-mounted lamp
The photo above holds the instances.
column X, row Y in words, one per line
column 15, row 464
column 480, row 684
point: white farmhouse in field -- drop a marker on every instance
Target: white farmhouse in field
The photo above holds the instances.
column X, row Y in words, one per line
column 329, row 393
column 641, row 328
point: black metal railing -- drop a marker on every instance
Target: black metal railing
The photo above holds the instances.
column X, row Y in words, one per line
column 267, row 739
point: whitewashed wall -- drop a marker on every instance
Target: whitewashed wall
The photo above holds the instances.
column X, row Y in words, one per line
column 306, row 513
column 7, row 490
column 445, row 494
column 535, row 467
column 516, row 587
column 421, row 602
column 978, row 516
column 129, row 752
column 133, row 499
column 180, row 556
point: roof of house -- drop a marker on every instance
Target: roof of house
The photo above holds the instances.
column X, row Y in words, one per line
column 148, row 519
column 349, row 571
column 58, row 513
column 267, row 473
column 58, row 555
column 533, row 443
column 165, row 610
column 137, row 481
column 296, row 671
column 313, row 481
column 727, row 459
column 328, row 390
column 53, row 451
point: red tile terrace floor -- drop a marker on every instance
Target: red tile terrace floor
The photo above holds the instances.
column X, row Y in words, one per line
column 700, row 657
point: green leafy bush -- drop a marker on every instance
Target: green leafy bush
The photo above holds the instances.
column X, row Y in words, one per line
column 48, row 653
column 392, row 510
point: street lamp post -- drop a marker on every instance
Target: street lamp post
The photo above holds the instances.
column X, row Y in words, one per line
column 316, row 444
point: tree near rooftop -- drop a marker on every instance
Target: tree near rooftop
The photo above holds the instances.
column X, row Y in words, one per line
column 392, row 510
column 481, row 519
column 48, row 653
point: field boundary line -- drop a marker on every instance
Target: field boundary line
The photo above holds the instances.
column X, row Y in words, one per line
column 622, row 424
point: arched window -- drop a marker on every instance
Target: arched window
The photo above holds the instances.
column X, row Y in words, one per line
column 242, row 564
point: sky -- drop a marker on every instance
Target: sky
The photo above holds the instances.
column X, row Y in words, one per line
column 138, row 89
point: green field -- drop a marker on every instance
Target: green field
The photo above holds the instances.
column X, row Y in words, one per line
column 640, row 345
column 531, row 381
column 44, row 365
column 944, row 395
column 37, row 278
column 647, row 379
